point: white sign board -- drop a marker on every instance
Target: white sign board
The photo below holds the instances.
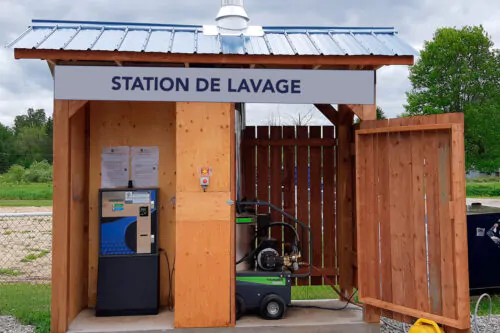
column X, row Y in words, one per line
column 214, row 85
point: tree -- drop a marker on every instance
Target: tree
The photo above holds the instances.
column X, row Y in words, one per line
column 33, row 118
column 380, row 113
column 457, row 67
column 459, row 71
column 6, row 143
column 31, row 145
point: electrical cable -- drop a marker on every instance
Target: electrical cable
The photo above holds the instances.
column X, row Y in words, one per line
column 170, row 278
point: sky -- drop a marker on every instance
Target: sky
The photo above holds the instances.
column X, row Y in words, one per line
column 28, row 84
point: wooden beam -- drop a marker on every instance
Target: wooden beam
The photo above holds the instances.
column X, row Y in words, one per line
column 75, row 106
column 329, row 112
column 60, row 218
column 345, row 200
column 212, row 58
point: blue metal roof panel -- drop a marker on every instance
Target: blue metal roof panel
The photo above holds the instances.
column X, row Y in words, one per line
column 279, row 44
column 327, row 45
column 135, row 40
column 303, row 44
column 256, row 45
column 159, row 41
column 183, row 42
column 207, row 44
column 83, row 39
column 135, row 37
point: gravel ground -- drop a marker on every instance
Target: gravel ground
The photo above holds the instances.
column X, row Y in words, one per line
column 11, row 325
column 391, row 326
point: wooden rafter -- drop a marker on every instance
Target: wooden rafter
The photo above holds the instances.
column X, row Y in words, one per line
column 212, row 58
column 329, row 112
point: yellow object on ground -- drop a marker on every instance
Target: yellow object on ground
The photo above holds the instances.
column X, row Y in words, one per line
column 425, row 326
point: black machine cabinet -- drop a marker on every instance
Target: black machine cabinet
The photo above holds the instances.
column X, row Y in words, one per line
column 483, row 229
column 128, row 271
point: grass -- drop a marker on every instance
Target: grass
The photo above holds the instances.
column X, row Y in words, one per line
column 25, row 203
column 30, row 304
column 487, row 187
column 34, row 256
column 10, row 272
column 484, row 306
column 42, row 191
column 313, row 292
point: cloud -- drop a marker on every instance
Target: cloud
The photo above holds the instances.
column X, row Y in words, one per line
column 25, row 84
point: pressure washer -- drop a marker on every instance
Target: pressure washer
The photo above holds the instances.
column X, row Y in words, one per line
column 265, row 267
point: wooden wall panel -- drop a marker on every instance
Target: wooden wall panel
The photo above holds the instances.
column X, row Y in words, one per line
column 205, row 221
column 134, row 124
column 78, row 211
column 60, row 217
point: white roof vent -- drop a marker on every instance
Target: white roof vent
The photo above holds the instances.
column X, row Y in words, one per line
column 232, row 16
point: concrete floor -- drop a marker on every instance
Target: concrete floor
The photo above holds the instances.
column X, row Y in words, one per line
column 296, row 320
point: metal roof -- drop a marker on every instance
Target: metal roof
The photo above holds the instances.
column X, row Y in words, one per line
column 191, row 39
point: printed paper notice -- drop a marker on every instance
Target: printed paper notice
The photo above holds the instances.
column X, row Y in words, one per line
column 145, row 162
column 115, row 167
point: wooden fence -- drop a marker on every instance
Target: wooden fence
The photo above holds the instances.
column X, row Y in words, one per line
column 294, row 168
column 411, row 207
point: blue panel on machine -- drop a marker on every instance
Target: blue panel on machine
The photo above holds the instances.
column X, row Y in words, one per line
column 114, row 235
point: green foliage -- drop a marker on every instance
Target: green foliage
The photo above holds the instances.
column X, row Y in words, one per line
column 29, row 303
column 38, row 172
column 459, row 71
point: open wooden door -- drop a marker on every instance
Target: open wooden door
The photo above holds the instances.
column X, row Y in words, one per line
column 411, row 219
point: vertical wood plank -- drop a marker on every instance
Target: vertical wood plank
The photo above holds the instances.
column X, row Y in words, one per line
column 232, row 226
column 303, row 193
column 384, row 205
column 448, row 286
column 315, row 189
column 263, row 169
column 433, row 230
column 329, row 243
column 345, row 200
column 60, row 217
column 363, row 148
column 289, row 181
column 249, row 164
column 78, row 244
column 419, row 227
column 398, row 212
column 276, row 176
column 460, row 220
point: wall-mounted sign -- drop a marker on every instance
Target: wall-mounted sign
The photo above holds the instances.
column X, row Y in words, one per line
column 214, row 85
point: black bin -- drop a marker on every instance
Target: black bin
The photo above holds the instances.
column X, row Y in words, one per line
column 483, row 229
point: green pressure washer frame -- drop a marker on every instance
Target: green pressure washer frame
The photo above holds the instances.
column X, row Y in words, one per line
column 268, row 293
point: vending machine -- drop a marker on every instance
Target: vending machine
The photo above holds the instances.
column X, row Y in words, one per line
column 128, row 270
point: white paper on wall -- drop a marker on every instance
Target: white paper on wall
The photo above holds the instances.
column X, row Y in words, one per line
column 145, row 161
column 115, row 167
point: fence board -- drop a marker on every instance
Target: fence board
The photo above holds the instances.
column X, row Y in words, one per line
column 302, row 192
column 329, row 203
column 275, row 188
column 248, row 160
column 263, row 169
column 289, row 179
column 433, row 233
column 315, row 180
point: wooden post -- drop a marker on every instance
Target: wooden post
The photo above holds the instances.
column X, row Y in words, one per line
column 204, row 272
column 60, row 217
column 345, row 199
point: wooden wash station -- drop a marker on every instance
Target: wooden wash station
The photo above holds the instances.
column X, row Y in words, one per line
column 162, row 107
